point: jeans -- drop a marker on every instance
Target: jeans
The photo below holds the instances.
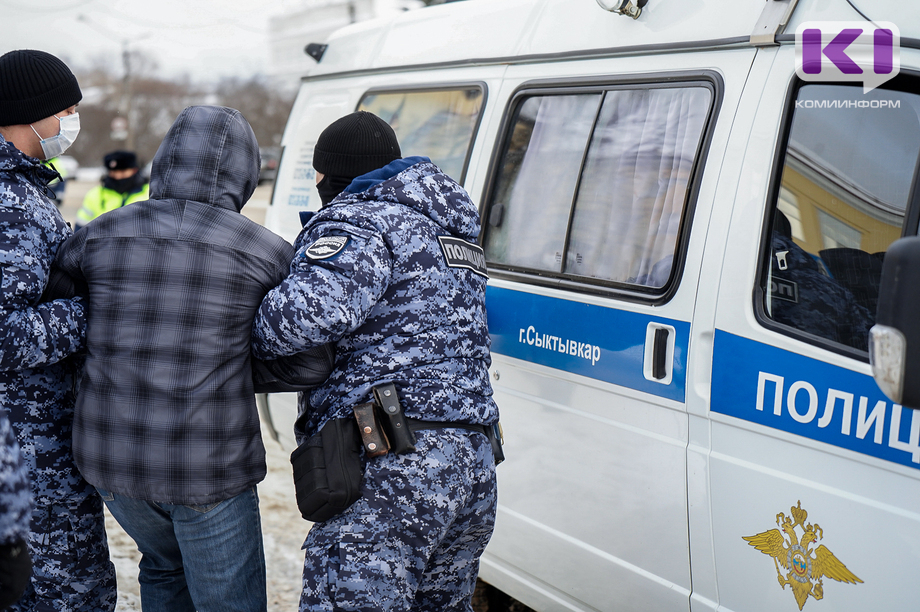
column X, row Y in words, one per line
column 206, row 558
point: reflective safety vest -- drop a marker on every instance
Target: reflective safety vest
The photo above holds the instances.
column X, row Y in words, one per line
column 100, row 200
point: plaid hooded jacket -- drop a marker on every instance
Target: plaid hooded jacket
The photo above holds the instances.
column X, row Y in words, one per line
column 166, row 410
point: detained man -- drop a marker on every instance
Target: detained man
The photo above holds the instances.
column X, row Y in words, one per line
column 166, row 422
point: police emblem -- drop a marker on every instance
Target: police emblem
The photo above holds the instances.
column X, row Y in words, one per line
column 326, row 247
column 806, row 567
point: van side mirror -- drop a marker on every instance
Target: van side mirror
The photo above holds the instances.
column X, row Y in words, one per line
column 894, row 340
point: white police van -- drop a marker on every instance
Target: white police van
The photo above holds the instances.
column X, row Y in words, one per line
column 685, row 214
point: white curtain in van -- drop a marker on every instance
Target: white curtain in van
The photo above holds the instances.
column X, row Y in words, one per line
column 634, row 186
column 537, row 183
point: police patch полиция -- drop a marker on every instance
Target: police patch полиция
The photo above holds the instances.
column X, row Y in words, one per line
column 461, row 254
column 326, row 247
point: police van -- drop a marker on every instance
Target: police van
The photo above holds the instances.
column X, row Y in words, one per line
column 686, row 208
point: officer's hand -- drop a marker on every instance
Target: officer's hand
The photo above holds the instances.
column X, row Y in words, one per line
column 15, row 572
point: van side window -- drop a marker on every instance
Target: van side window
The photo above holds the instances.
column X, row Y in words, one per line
column 594, row 187
column 537, row 181
column 634, row 187
column 439, row 124
column 849, row 172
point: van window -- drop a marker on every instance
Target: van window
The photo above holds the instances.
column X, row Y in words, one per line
column 595, row 186
column 536, row 185
column 849, row 170
column 438, row 124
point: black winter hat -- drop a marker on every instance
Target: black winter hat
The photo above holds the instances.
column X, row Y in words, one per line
column 354, row 145
column 34, row 85
column 120, row 160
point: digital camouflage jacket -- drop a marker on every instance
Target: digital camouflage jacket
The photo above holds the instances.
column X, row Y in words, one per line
column 36, row 380
column 386, row 271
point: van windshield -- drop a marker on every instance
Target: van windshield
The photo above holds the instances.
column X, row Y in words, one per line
column 438, row 124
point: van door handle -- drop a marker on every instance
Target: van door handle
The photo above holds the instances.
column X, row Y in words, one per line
column 660, row 354
column 658, row 364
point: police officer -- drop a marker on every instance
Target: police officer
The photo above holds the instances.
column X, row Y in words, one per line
column 38, row 120
column 123, row 184
column 15, row 509
column 380, row 270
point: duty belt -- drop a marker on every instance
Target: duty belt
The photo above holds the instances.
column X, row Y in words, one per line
column 384, row 427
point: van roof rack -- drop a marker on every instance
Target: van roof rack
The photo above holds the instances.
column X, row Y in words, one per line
column 772, row 21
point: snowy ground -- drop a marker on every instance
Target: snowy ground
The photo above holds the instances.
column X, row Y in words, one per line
column 283, row 533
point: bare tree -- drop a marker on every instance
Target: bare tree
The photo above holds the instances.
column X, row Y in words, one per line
column 153, row 105
column 265, row 106
column 155, row 102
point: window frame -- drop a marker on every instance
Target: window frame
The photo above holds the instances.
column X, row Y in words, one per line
column 625, row 291
column 447, row 86
column 909, row 226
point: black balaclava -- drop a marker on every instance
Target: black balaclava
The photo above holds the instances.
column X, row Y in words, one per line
column 122, row 160
column 351, row 146
column 125, row 185
column 331, row 186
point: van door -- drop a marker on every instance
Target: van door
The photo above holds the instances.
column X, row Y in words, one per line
column 814, row 474
column 595, row 218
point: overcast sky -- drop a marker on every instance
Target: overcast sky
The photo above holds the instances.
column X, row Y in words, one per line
column 204, row 38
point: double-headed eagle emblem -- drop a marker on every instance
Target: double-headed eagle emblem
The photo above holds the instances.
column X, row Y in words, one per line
column 806, row 567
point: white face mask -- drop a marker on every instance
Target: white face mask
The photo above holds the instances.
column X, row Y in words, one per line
column 60, row 142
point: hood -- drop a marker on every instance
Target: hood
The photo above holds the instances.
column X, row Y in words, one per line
column 14, row 160
column 209, row 155
column 419, row 184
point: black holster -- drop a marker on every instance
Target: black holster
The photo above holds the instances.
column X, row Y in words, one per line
column 393, row 419
column 328, row 471
column 400, row 430
column 328, row 467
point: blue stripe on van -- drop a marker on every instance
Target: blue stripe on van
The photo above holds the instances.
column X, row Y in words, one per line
column 601, row 343
column 810, row 398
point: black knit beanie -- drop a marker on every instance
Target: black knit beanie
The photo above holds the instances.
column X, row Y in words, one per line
column 354, row 145
column 34, row 85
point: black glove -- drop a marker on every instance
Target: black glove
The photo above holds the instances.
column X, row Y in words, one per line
column 15, row 572
column 299, row 372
